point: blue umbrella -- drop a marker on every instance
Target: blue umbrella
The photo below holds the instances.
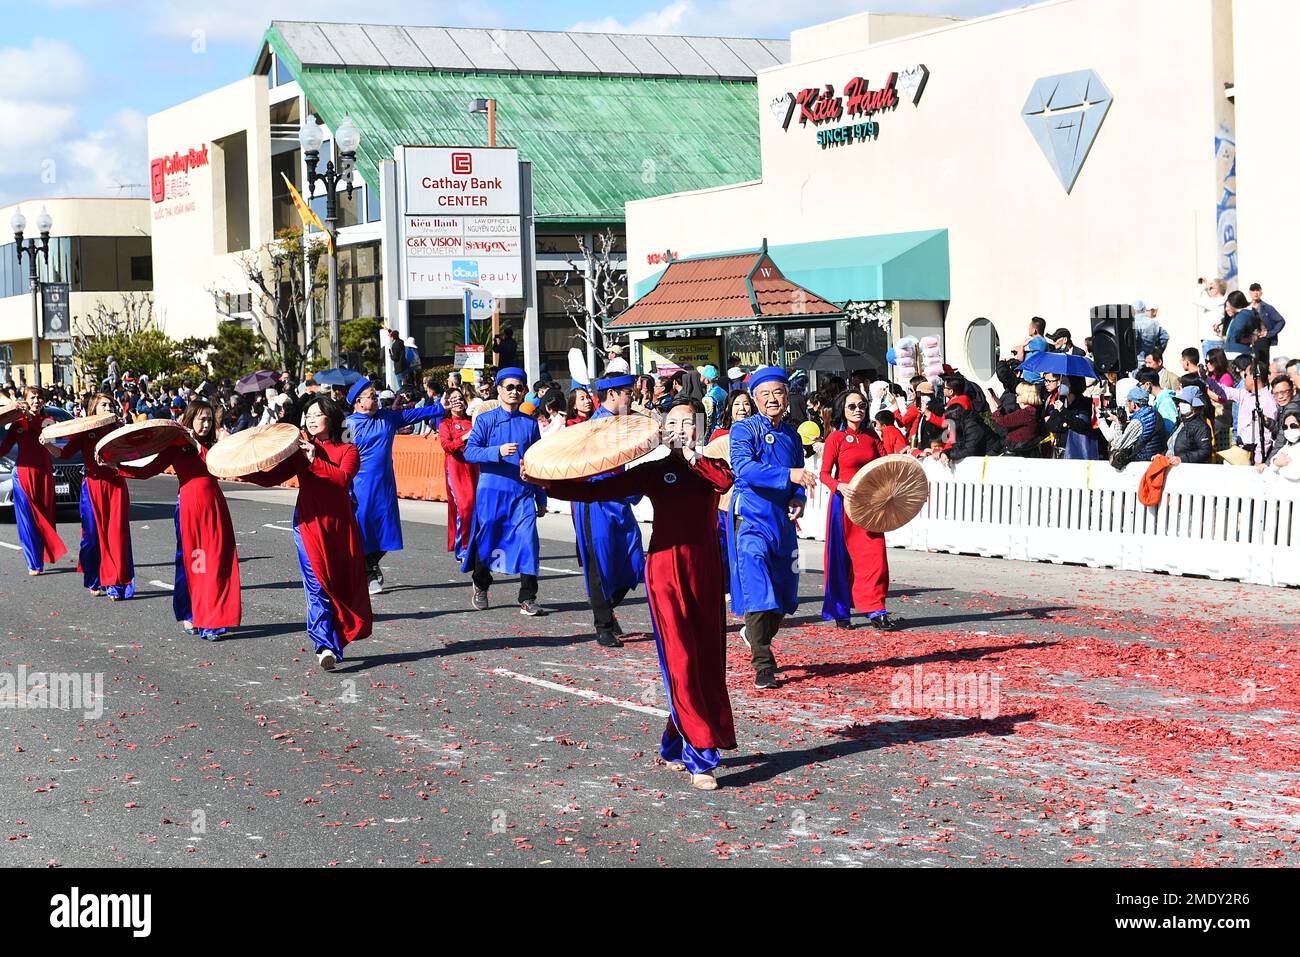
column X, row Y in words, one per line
column 1059, row 363
column 343, row 377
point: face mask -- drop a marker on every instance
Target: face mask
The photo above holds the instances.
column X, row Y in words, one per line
column 1185, row 411
column 1292, row 436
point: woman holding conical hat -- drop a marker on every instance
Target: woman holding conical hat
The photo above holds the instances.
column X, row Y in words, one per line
column 857, row 568
column 325, row 530
column 105, row 563
column 684, row 586
column 33, row 486
column 205, row 596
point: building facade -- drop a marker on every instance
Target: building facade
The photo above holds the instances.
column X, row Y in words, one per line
column 974, row 174
column 603, row 119
column 99, row 247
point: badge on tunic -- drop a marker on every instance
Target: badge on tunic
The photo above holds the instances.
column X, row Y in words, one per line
column 670, row 478
column 771, row 439
column 850, row 439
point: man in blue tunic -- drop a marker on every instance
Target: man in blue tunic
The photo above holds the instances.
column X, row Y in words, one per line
column 373, row 429
column 769, row 495
column 609, row 539
column 506, row 508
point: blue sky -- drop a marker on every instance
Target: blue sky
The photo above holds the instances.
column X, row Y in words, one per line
column 81, row 76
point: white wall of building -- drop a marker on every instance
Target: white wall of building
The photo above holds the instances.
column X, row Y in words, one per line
column 1139, row 223
column 189, row 236
column 1267, row 35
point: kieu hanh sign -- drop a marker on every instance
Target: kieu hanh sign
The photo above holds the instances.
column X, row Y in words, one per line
column 461, row 226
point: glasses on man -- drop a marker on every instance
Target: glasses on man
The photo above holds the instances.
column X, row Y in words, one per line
column 512, row 387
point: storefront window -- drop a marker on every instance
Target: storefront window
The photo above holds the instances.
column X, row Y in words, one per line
column 982, row 345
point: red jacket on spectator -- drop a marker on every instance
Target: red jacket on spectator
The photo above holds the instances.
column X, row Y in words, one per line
column 893, row 439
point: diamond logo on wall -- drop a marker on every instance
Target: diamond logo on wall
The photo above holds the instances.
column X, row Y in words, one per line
column 1064, row 113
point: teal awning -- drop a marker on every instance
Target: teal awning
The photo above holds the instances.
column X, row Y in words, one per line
column 892, row 266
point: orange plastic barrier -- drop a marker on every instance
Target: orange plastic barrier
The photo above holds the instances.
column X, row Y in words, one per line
column 421, row 467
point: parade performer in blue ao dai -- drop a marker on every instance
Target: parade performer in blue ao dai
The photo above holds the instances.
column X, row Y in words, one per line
column 609, row 539
column 373, row 430
column 503, row 540
column 769, row 496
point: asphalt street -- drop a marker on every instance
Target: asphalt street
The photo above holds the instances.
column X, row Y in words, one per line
column 1026, row 715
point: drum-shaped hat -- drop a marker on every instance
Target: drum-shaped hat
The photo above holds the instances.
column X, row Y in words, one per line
column 253, row 450
column 887, row 493
column 592, row 447
column 88, row 423
column 139, row 440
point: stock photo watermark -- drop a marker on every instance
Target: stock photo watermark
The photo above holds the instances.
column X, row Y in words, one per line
column 53, row 691
column 954, row 691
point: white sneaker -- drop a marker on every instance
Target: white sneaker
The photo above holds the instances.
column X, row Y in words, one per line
column 376, row 586
column 745, row 639
column 326, row 659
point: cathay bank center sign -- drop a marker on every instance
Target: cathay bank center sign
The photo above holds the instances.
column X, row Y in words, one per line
column 460, row 221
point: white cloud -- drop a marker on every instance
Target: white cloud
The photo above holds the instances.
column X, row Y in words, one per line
column 48, row 150
column 46, row 70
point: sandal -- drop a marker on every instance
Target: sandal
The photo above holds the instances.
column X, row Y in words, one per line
column 704, row 782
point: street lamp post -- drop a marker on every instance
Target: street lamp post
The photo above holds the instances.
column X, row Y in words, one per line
column 346, row 140
column 44, row 222
column 488, row 106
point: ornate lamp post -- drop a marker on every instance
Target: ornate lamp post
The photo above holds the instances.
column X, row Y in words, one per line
column 44, row 222
column 346, row 140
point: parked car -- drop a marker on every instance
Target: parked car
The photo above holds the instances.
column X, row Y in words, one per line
column 67, row 472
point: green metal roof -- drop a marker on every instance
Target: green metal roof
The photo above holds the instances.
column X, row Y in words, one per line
column 596, row 142
column 908, row 267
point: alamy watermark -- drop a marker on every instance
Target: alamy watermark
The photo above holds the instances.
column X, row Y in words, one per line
column 53, row 690
column 956, row 691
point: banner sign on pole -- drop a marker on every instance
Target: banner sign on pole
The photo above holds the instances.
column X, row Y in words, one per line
column 469, row 357
column 56, row 308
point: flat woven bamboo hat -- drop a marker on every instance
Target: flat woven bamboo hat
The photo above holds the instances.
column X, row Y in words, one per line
column 253, row 450
column 592, row 447
column 89, row 423
column 887, row 493
column 720, row 448
column 10, row 411
column 139, row 441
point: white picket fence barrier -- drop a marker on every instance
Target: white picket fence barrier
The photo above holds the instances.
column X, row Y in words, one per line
column 1223, row 522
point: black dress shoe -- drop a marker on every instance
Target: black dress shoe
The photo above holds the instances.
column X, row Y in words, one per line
column 883, row 623
column 607, row 638
column 843, row 623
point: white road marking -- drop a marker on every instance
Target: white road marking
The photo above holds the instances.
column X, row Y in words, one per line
column 167, row 585
column 17, row 548
column 582, row 693
column 278, row 528
column 562, row 571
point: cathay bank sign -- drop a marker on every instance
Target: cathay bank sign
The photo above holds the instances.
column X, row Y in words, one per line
column 460, row 225
column 443, row 180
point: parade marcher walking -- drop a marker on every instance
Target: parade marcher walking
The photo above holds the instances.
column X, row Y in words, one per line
column 373, row 431
column 462, row 476
column 684, row 589
column 857, row 568
column 33, row 485
column 771, row 484
column 503, row 539
column 325, row 531
column 609, row 538
column 205, row 595
column 105, row 558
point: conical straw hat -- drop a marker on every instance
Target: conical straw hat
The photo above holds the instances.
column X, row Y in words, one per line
column 887, row 493
column 720, row 448
column 253, row 450
column 10, row 411
column 139, row 440
column 487, row 405
column 89, row 423
column 592, row 447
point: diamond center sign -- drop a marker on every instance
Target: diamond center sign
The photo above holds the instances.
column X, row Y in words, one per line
column 1064, row 113
column 460, row 222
